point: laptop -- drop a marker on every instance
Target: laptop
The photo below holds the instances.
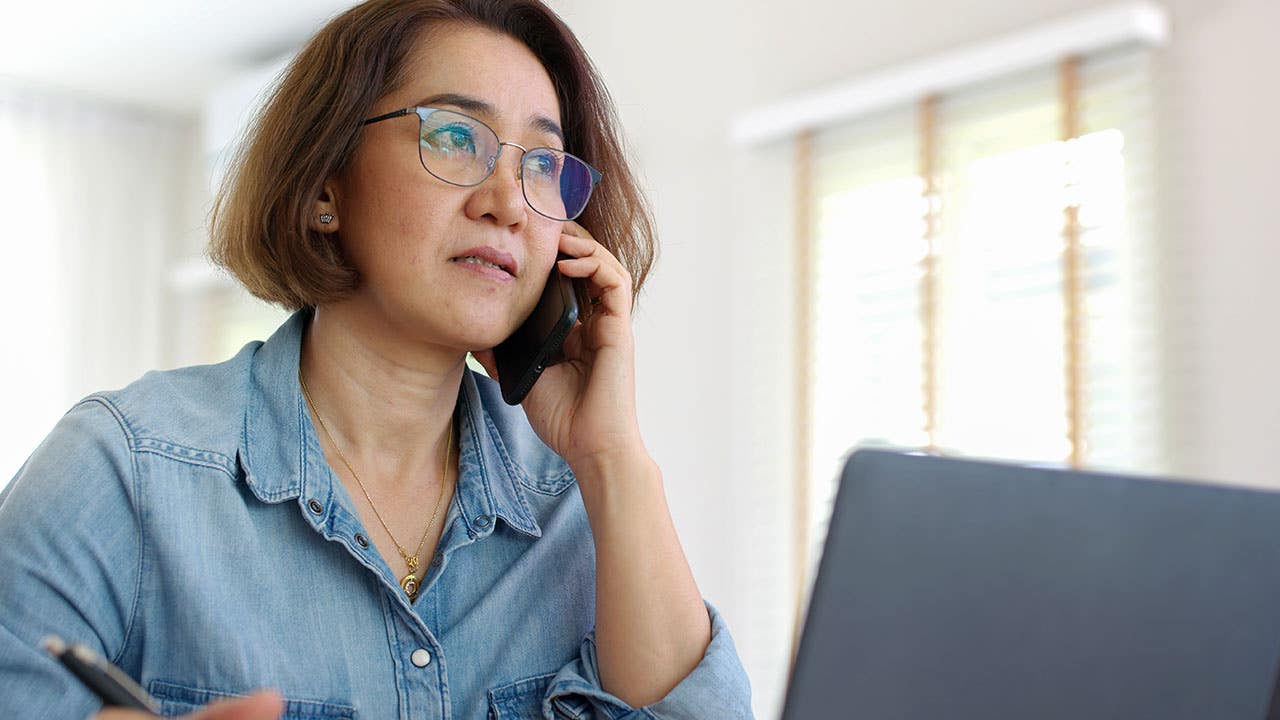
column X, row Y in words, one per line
column 963, row 589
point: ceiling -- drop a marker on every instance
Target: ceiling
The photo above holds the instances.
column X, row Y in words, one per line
column 158, row 55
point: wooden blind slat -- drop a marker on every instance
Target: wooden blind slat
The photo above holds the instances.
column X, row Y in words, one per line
column 1069, row 72
column 929, row 264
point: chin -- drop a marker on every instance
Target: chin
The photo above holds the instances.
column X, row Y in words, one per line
column 480, row 346
column 479, row 335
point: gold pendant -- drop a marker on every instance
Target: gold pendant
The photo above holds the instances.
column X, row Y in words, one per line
column 410, row 584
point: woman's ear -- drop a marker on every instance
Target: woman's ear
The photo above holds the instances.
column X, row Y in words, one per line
column 324, row 213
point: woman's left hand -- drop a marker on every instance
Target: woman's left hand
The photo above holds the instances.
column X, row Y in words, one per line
column 584, row 407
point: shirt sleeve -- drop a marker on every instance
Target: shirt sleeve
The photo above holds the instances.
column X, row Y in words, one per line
column 717, row 687
column 69, row 560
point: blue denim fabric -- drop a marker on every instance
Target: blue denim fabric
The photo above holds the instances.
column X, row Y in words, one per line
column 189, row 529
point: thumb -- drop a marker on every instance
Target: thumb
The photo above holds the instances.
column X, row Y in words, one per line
column 262, row 705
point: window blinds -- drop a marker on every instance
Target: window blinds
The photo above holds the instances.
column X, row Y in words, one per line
column 940, row 310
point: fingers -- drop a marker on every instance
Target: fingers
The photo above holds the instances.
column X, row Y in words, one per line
column 572, row 228
column 593, row 261
column 608, row 280
column 263, row 705
column 578, row 242
column 604, row 276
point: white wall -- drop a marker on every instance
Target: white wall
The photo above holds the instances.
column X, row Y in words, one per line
column 1222, row 155
column 713, row 332
column 93, row 200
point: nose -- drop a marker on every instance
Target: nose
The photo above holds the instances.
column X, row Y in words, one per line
column 500, row 197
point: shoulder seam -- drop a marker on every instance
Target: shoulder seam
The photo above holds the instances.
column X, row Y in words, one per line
column 186, row 455
column 166, row 448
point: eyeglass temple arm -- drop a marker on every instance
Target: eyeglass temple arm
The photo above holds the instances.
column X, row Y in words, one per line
column 388, row 116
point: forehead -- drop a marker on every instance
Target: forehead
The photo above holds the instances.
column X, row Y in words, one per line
column 454, row 58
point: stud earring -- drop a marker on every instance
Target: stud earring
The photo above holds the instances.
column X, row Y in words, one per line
column 326, row 218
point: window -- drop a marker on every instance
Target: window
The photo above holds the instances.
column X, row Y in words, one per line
column 943, row 314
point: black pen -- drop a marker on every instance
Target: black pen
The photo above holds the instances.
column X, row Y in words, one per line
column 107, row 681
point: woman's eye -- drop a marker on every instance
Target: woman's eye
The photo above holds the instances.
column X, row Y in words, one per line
column 451, row 139
column 545, row 164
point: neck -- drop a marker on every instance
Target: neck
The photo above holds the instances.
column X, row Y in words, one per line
column 386, row 400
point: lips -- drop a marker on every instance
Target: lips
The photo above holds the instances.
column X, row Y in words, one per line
column 489, row 257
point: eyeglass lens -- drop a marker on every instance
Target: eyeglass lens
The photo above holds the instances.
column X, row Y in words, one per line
column 461, row 150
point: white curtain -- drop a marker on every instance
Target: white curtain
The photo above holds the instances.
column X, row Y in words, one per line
column 92, row 199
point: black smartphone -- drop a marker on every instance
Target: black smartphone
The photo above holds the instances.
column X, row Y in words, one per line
column 538, row 343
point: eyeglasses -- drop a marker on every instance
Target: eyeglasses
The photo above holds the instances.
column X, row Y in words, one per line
column 463, row 151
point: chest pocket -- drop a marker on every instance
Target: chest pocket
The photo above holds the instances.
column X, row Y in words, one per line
column 180, row 700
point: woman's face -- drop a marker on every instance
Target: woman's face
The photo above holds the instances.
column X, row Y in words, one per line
column 407, row 231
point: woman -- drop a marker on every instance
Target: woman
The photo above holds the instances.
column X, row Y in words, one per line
column 346, row 513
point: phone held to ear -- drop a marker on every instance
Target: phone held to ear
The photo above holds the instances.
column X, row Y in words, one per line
column 538, row 343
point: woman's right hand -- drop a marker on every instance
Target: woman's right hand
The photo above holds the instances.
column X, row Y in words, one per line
column 263, row 705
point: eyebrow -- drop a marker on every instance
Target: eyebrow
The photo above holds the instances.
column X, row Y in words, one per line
column 480, row 107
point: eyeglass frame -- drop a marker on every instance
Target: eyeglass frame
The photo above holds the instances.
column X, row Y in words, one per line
column 596, row 175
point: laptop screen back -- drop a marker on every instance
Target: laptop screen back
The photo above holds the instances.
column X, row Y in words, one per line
column 963, row 589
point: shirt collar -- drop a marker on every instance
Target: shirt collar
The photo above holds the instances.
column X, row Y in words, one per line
column 278, row 438
column 488, row 481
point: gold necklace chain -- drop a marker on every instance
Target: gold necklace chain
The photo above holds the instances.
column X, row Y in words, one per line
column 409, row 582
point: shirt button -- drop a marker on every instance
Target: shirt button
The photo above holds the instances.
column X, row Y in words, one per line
column 435, row 561
column 421, row 657
column 361, row 541
column 316, row 507
column 482, row 521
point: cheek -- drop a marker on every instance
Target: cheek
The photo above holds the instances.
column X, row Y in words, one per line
column 395, row 226
column 547, row 241
column 386, row 198
column 538, row 264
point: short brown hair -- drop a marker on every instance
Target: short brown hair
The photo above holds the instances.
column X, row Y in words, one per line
column 310, row 126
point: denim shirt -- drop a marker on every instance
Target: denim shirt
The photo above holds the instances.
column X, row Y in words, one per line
column 189, row 529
